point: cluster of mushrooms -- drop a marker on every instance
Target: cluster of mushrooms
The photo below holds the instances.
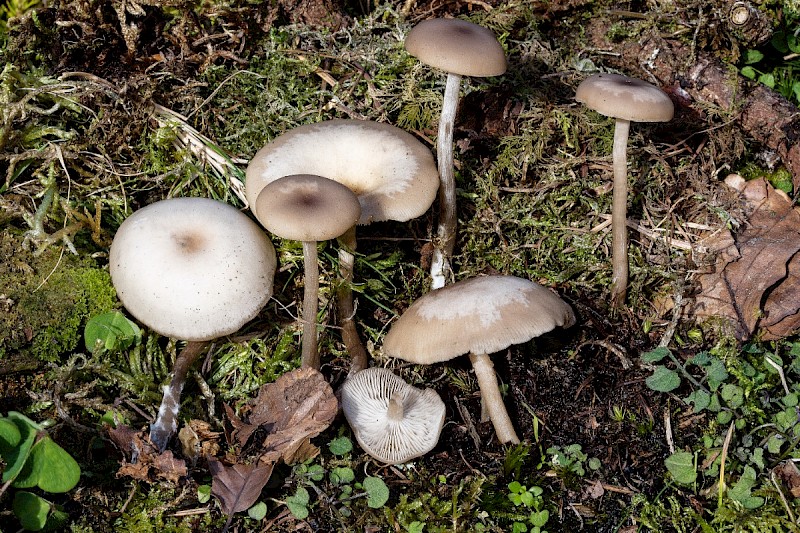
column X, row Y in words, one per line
column 197, row 269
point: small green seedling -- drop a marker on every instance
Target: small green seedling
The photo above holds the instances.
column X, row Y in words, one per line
column 531, row 499
column 34, row 460
column 335, row 485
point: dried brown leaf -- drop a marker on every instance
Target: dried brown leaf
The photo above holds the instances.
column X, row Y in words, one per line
column 198, row 440
column 237, row 487
column 754, row 282
column 142, row 460
column 788, row 472
column 298, row 406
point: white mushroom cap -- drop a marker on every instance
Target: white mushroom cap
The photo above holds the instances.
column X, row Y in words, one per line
column 192, row 268
column 306, row 207
column 617, row 96
column 457, row 46
column 393, row 174
column 392, row 421
column 479, row 315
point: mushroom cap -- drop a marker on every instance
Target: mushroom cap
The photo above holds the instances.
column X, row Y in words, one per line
column 617, row 96
column 393, row 174
column 192, row 268
column 365, row 401
column 306, row 207
column 479, row 315
column 457, row 46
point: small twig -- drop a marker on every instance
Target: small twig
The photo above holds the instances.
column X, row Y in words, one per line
column 779, row 369
column 668, row 430
column 722, row 460
column 783, row 497
column 676, row 315
column 613, row 348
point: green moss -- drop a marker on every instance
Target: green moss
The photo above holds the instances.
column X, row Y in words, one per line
column 149, row 512
column 48, row 300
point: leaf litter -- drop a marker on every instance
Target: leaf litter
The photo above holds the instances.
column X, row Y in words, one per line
column 277, row 425
column 755, row 280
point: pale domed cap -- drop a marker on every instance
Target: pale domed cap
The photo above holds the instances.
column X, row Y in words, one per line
column 617, row 96
column 392, row 421
column 479, row 315
column 393, row 174
column 457, row 46
column 192, row 268
column 305, row 207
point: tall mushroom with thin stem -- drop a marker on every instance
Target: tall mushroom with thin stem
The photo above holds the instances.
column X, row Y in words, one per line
column 626, row 100
column 392, row 421
column 307, row 208
column 478, row 316
column 392, row 173
column 193, row 269
column 460, row 48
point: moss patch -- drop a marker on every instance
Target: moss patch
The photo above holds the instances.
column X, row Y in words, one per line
column 47, row 299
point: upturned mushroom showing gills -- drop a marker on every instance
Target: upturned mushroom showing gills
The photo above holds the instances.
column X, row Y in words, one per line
column 478, row 316
column 626, row 100
column 392, row 173
column 193, row 269
column 459, row 48
column 307, row 208
column 392, row 421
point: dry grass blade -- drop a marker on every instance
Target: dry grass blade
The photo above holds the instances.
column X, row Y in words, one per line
column 189, row 139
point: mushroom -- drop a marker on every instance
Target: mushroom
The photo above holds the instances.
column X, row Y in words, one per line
column 307, row 208
column 392, row 421
column 193, row 269
column 392, row 173
column 460, row 48
column 478, row 316
column 626, row 100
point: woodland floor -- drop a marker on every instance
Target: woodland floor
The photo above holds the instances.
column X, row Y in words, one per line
column 517, row 155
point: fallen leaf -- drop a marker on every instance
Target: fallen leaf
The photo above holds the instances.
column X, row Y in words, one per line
column 299, row 405
column 237, row 487
column 142, row 460
column 788, row 472
column 755, row 282
column 198, row 440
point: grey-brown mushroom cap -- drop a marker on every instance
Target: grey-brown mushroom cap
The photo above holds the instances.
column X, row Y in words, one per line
column 365, row 402
column 305, row 207
column 457, row 46
column 479, row 315
column 192, row 268
column 617, row 96
column 393, row 174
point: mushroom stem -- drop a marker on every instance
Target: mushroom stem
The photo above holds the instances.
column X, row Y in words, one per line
column 166, row 423
column 490, row 394
column 445, row 239
column 310, row 354
column 619, row 207
column 359, row 360
column 395, row 409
